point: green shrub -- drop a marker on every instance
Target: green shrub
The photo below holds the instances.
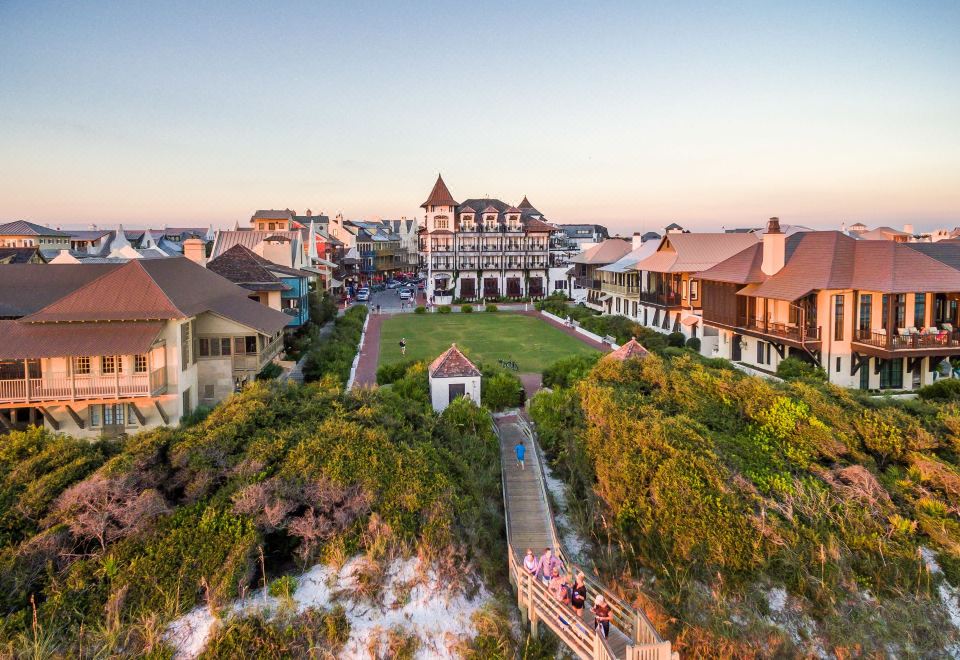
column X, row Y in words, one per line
column 270, row 371
column 420, row 309
column 694, row 344
column 389, row 373
column 793, row 368
column 311, row 633
column 466, row 309
column 334, row 355
column 490, row 308
column 195, row 416
column 945, row 389
column 567, row 371
column 444, row 309
column 676, row 339
column 502, row 390
column 283, row 587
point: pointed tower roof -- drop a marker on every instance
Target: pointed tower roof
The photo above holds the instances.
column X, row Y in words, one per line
column 525, row 204
column 440, row 195
column 632, row 349
column 452, row 364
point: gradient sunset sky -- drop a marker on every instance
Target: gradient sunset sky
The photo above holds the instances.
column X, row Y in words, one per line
column 627, row 114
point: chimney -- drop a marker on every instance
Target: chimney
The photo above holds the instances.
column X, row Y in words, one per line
column 636, row 241
column 908, row 229
column 774, row 248
column 309, row 213
column 196, row 251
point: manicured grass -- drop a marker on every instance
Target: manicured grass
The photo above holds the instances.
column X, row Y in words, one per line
column 486, row 337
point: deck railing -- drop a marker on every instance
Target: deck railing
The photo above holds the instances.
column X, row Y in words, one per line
column 62, row 387
column 667, row 299
column 897, row 342
column 534, row 598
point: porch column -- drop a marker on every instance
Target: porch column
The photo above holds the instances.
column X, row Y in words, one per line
column 73, row 378
column 26, row 379
column 116, row 375
column 891, row 301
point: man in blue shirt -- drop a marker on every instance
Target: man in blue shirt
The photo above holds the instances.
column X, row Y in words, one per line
column 521, row 452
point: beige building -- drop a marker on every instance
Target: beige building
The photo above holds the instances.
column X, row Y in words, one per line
column 106, row 349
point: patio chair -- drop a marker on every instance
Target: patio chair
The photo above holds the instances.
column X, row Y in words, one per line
column 931, row 330
column 947, row 326
column 913, row 330
column 903, row 332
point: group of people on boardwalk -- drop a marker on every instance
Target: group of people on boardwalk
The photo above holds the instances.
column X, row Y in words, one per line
column 566, row 588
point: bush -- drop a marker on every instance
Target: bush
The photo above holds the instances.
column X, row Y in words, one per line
column 793, row 368
column 676, row 339
column 945, row 389
column 390, row 373
column 502, row 390
column 466, row 309
column 490, row 308
column 420, row 310
column 334, row 356
column 283, row 587
column 694, row 344
column 567, row 371
column 444, row 309
column 270, row 371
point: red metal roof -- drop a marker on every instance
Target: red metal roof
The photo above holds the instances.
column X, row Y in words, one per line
column 452, row 364
column 19, row 341
column 632, row 349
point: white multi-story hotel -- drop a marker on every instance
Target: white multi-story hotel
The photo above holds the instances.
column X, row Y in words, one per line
column 483, row 248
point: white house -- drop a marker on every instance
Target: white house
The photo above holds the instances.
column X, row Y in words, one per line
column 452, row 375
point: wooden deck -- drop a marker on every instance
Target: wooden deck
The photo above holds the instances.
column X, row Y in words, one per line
column 530, row 525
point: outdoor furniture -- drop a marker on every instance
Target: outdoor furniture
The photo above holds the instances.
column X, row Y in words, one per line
column 913, row 331
column 903, row 332
column 931, row 330
column 947, row 326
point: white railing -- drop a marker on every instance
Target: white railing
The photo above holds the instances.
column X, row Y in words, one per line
column 71, row 388
column 356, row 358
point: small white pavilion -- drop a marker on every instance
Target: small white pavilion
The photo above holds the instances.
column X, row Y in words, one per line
column 452, row 375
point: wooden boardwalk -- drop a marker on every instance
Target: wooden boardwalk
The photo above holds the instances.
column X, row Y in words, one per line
column 530, row 525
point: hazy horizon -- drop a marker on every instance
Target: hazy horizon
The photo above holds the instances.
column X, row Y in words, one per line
column 623, row 115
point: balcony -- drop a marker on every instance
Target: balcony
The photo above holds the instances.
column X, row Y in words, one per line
column 585, row 282
column 631, row 291
column 789, row 331
column 62, row 387
column 942, row 342
column 666, row 299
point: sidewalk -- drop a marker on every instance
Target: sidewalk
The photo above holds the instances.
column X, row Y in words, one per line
column 366, row 375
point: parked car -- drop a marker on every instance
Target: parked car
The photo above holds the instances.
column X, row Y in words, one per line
column 406, row 294
column 393, row 284
column 363, row 295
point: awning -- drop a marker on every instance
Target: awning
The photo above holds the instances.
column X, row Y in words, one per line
column 604, row 296
column 691, row 320
column 19, row 340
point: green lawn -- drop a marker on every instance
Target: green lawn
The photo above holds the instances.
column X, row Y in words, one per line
column 486, row 337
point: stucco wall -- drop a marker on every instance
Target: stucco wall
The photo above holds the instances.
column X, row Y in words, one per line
column 440, row 390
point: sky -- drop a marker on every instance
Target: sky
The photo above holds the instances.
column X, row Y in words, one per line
column 632, row 115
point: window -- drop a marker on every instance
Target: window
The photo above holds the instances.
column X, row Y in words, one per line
column 838, row 364
column 838, row 318
column 694, row 290
column 185, row 346
column 186, row 402
column 140, row 364
column 761, row 354
column 110, row 364
column 271, row 226
column 203, row 347
column 684, row 293
column 441, row 223
column 919, row 310
column 81, row 365
column 866, row 304
column 113, row 414
column 95, row 415
column 225, row 346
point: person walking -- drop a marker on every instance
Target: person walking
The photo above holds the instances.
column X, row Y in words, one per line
column 558, row 586
column 601, row 615
column 578, row 594
column 546, row 565
column 521, row 453
column 530, row 562
column 403, row 346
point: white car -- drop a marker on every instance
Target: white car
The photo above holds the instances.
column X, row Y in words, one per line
column 363, row 295
column 406, row 294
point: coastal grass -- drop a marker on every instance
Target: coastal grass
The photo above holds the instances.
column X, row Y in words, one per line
column 531, row 343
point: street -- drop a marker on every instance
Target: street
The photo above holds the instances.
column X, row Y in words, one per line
column 389, row 301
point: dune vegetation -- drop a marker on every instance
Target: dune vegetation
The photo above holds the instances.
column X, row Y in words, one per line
column 753, row 518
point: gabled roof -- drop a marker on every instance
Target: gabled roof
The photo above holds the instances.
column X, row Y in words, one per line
column 440, row 195
column 250, row 238
column 273, row 214
column 632, row 349
column 158, row 289
column 741, row 268
column 832, row 260
column 452, row 364
column 692, row 253
column 630, row 260
column 26, row 228
column 611, row 250
column 26, row 288
column 19, row 255
column 243, row 267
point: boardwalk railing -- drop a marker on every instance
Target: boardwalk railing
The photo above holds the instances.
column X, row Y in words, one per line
column 537, row 604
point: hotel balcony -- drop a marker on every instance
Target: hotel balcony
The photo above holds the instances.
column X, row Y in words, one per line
column 79, row 388
column 791, row 332
column 629, row 291
column 880, row 343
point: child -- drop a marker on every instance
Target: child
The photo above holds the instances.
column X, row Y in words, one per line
column 521, row 452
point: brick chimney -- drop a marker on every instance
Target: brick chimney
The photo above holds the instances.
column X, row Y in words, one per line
column 196, row 251
column 774, row 248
